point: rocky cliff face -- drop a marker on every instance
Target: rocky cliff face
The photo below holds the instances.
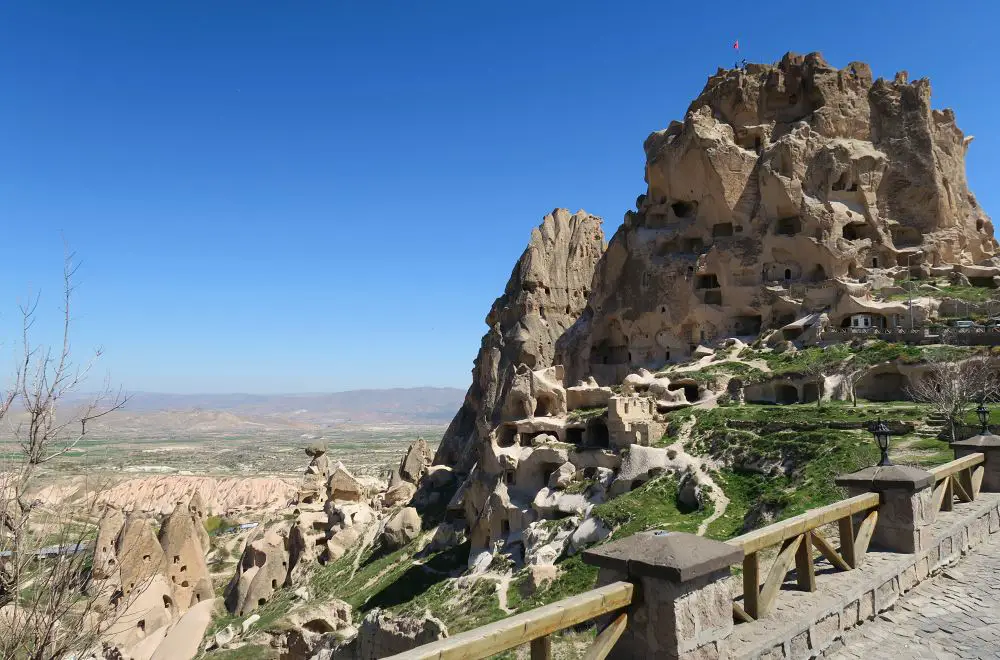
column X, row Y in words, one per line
column 788, row 190
column 546, row 293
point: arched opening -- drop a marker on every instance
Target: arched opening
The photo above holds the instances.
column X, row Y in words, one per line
column 786, row 394
column 722, row 230
column 810, row 392
column 141, row 625
column 508, row 436
column 684, row 209
column 544, row 406
column 167, row 603
column 874, row 262
column 819, row 273
column 691, row 393
column 574, row 436
column 597, row 434
column 788, row 273
column 789, row 226
column 707, row 281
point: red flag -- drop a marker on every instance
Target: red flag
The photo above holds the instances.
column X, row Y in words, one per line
column 736, row 44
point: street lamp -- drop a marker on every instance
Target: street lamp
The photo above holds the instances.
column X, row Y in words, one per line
column 881, row 432
column 984, row 417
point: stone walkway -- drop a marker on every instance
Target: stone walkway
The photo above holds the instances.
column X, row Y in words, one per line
column 953, row 615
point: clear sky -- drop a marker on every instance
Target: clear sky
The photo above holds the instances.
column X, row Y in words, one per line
column 322, row 195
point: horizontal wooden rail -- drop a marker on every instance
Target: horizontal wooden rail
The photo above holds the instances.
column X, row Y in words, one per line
column 787, row 529
column 524, row 628
column 960, row 479
column 957, row 465
column 799, row 539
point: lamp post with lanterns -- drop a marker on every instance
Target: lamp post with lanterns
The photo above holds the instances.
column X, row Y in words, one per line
column 984, row 417
column 880, row 430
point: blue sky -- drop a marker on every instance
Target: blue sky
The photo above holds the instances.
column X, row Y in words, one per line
column 318, row 196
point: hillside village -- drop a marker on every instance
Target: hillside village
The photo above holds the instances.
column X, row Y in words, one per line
column 806, row 254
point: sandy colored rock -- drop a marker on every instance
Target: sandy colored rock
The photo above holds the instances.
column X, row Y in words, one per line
column 148, row 607
column 383, row 634
column 220, row 495
column 785, row 188
column 401, row 528
column 415, row 461
column 262, row 570
column 546, row 292
column 140, row 556
column 105, row 552
column 343, row 486
column 184, row 638
column 185, row 558
column 399, row 494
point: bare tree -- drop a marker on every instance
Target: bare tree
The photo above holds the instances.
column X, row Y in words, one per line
column 951, row 388
column 48, row 607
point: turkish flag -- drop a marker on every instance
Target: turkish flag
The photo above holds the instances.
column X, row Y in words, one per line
column 736, row 44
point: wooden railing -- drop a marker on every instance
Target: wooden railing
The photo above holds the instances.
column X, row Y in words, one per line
column 799, row 537
column 961, row 479
column 534, row 628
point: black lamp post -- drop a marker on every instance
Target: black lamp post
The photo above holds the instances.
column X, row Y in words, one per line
column 881, row 432
column 984, row 417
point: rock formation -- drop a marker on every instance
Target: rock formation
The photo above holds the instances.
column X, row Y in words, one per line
column 262, row 570
column 787, row 196
column 789, row 190
column 546, row 292
column 151, row 582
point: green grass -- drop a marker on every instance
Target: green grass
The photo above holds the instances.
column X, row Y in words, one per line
column 574, row 577
column 651, row 506
column 216, row 524
column 583, row 414
column 245, row 653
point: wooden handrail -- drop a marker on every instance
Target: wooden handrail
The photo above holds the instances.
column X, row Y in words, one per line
column 799, row 538
column 957, row 465
column 961, row 478
column 787, row 529
column 523, row 628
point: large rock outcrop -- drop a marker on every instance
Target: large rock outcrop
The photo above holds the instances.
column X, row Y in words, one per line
column 546, row 292
column 787, row 191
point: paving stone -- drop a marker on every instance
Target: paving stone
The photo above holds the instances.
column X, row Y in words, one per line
column 954, row 614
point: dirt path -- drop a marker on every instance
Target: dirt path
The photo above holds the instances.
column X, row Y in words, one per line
column 719, row 500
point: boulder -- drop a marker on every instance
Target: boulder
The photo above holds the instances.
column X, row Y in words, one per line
column 383, row 634
column 689, row 492
column 590, row 531
column 401, row 493
column 545, row 541
column 538, row 576
column 343, row 486
column 316, row 449
column 563, row 476
column 401, row 528
column 415, row 462
column 640, row 465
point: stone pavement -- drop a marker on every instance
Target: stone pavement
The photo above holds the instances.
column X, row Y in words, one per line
column 953, row 615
